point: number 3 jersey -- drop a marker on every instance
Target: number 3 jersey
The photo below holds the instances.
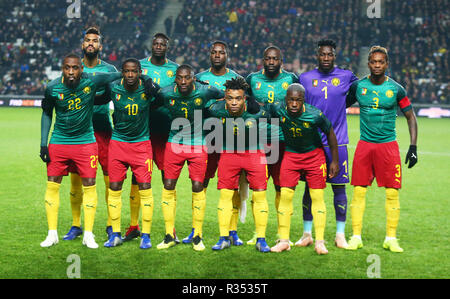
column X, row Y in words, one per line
column 328, row 91
column 378, row 108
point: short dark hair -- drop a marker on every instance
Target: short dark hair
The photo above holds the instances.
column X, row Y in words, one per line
column 93, row 30
column 296, row 87
column 162, row 35
column 72, row 55
column 220, row 42
column 273, row 48
column 185, row 67
column 378, row 49
column 133, row 60
column 326, row 43
column 237, row 83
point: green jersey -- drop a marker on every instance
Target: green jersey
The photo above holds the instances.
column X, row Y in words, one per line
column 217, row 81
column 267, row 90
column 74, row 107
column 189, row 108
column 101, row 119
column 163, row 75
column 378, row 108
column 300, row 132
column 131, row 112
column 240, row 132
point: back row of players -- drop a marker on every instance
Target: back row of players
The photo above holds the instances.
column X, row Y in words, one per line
column 143, row 113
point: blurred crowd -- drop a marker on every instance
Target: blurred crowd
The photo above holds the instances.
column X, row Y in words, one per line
column 414, row 32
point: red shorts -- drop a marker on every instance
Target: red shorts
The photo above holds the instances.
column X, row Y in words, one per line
column 274, row 169
column 103, row 139
column 136, row 155
column 231, row 165
column 377, row 160
column 159, row 146
column 175, row 156
column 312, row 165
column 81, row 157
column 211, row 165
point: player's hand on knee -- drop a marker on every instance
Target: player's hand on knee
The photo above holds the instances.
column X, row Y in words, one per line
column 411, row 156
column 44, row 154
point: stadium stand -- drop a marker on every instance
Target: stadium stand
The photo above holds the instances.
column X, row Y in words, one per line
column 36, row 33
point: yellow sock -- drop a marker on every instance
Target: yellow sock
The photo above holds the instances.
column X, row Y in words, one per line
column 285, row 210
column 199, row 202
column 135, row 204
column 392, row 211
column 167, row 203
column 115, row 209
column 147, row 210
column 174, row 204
column 357, row 209
column 106, row 179
column 76, row 198
column 319, row 212
column 89, row 206
column 235, row 214
column 52, row 204
column 261, row 213
column 277, row 203
column 224, row 211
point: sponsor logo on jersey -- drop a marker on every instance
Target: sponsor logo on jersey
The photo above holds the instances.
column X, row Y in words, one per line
column 335, row 81
column 364, row 91
column 169, row 73
column 389, row 93
column 315, row 82
column 198, row 101
column 285, row 85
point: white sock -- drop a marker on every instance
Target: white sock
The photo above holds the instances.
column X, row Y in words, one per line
column 357, row 236
column 390, row 238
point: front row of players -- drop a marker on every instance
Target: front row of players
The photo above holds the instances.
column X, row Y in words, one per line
column 134, row 95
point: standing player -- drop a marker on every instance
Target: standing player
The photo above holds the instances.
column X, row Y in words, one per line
column 377, row 153
column 269, row 86
column 326, row 88
column 185, row 101
column 101, row 121
column 236, row 158
column 216, row 76
column 130, row 147
column 72, row 142
column 304, row 155
column 162, row 71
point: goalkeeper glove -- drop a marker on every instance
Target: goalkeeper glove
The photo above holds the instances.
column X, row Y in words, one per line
column 252, row 105
column 411, row 156
column 44, row 154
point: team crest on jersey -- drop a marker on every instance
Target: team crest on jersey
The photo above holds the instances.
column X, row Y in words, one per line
column 364, row 91
column 389, row 93
column 283, row 119
column 258, row 85
column 143, row 96
column 315, row 82
column 335, row 81
column 169, row 73
column 306, row 125
column 172, row 102
column 117, row 97
column 87, row 90
column 198, row 101
column 285, row 85
column 223, row 119
column 61, row 96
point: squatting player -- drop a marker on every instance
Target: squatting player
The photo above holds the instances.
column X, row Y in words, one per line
column 304, row 155
column 130, row 147
column 72, row 142
column 269, row 86
column 216, row 76
column 185, row 100
column 240, row 153
column 377, row 153
column 162, row 71
column 101, row 122
column 326, row 88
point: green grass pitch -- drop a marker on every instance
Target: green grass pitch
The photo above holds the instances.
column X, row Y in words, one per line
column 423, row 229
